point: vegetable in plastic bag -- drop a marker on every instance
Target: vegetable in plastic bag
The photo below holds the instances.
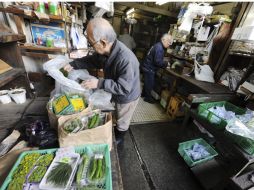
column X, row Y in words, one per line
column 101, row 99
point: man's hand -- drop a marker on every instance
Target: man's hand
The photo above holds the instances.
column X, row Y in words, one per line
column 90, row 84
column 68, row 68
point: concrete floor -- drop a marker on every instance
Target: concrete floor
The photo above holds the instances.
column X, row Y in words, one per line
column 149, row 158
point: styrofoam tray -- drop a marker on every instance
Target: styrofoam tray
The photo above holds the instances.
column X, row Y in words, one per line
column 48, row 186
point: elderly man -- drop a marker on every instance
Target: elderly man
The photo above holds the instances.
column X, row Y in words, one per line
column 152, row 62
column 127, row 39
column 121, row 70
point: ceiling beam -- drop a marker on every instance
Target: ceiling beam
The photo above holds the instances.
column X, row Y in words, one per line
column 149, row 9
column 140, row 16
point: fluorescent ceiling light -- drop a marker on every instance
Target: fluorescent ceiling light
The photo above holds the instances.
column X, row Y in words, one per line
column 161, row 2
column 130, row 11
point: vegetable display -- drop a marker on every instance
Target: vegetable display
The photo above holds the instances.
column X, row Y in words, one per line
column 65, row 169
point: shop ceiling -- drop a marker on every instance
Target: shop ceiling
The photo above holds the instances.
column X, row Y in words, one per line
column 150, row 10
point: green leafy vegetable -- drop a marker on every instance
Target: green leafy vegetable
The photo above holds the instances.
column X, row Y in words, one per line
column 60, row 174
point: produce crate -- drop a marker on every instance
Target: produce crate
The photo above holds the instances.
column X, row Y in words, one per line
column 78, row 149
column 219, row 122
column 245, row 144
column 188, row 144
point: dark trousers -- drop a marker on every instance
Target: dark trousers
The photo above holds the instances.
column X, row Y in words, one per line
column 148, row 84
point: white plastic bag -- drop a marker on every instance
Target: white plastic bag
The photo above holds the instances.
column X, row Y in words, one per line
column 237, row 127
column 82, row 74
column 63, row 84
column 203, row 72
column 101, row 99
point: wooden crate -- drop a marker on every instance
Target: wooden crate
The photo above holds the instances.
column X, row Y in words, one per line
column 175, row 108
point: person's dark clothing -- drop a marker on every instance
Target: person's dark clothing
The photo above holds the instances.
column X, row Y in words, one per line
column 121, row 72
column 152, row 62
column 154, row 58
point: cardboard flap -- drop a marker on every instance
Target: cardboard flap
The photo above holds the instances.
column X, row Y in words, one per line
column 4, row 67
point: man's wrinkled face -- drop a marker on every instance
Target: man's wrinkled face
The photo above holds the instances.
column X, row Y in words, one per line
column 97, row 45
column 166, row 42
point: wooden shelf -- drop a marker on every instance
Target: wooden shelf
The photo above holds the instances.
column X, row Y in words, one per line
column 11, row 38
column 241, row 54
column 10, row 75
column 31, row 15
column 42, row 48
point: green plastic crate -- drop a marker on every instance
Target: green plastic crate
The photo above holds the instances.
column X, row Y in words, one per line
column 245, row 144
column 188, row 144
column 218, row 122
column 78, row 149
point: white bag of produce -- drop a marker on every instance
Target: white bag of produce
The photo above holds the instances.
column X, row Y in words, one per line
column 63, row 84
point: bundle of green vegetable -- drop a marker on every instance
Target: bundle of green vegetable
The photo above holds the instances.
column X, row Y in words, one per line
column 73, row 125
column 81, row 169
column 60, row 174
column 97, row 168
column 19, row 175
column 45, row 160
column 65, row 73
column 37, row 174
column 93, row 121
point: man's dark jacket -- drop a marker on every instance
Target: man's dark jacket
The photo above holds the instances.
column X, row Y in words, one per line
column 154, row 58
column 121, row 72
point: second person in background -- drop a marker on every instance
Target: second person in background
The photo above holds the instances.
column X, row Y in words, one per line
column 152, row 62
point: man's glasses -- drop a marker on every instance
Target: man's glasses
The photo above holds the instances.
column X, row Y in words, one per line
column 89, row 43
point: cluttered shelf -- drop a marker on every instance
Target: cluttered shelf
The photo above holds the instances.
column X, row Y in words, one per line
column 29, row 14
column 241, row 54
column 180, row 57
column 10, row 75
column 11, row 38
column 211, row 88
column 42, row 48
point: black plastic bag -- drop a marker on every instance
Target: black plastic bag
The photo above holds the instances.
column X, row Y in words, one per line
column 41, row 135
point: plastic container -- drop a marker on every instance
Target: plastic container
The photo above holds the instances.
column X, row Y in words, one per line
column 53, row 8
column 188, row 144
column 18, row 95
column 219, row 122
column 78, row 149
column 4, row 97
column 45, row 185
column 245, row 144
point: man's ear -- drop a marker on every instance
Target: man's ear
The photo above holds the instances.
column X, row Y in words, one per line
column 103, row 42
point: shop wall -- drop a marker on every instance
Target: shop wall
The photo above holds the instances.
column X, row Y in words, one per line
column 249, row 21
column 225, row 8
column 117, row 24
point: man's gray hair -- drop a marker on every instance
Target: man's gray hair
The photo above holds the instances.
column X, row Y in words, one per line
column 102, row 29
column 166, row 36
